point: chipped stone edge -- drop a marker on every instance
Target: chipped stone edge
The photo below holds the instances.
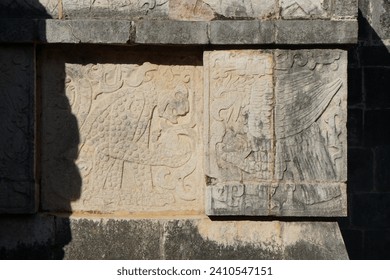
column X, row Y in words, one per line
column 171, row 32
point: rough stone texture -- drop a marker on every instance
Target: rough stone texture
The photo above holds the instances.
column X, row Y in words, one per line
column 118, row 9
column 345, row 9
column 29, row 8
column 132, row 130
column 205, row 239
column 171, row 32
column 242, row 32
column 86, row 31
column 227, row 9
column 26, row 237
column 317, row 32
column 377, row 13
column 109, row 239
column 305, row 9
column 271, row 147
column 17, row 187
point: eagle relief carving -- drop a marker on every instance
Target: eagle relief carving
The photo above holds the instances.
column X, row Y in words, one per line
column 277, row 129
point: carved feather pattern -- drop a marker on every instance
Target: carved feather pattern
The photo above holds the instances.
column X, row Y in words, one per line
column 301, row 100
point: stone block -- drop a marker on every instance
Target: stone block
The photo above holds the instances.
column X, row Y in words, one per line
column 371, row 211
column 271, row 147
column 118, row 9
column 376, row 127
column 277, row 200
column 376, row 87
column 29, row 8
column 360, row 170
column 171, row 32
column 26, row 237
column 242, row 32
column 317, row 32
column 206, row 10
column 345, row 9
column 17, row 187
column 87, row 31
column 354, row 243
column 235, row 240
column 17, row 30
column 121, row 130
column 377, row 14
column 109, row 239
column 305, row 9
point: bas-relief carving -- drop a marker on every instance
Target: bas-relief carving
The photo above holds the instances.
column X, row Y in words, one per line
column 294, row 9
column 212, row 9
column 16, row 129
column 107, row 7
column 278, row 120
column 139, row 136
column 240, row 115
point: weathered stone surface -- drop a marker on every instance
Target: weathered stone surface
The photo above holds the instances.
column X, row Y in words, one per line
column 87, row 31
column 26, row 237
column 29, row 8
column 275, row 134
column 109, row 239
column 305, row 9
column 205, row 239
column 171, row 32
column 228, row 9
column 316, row 32
column 377, row 13
column 118, row 9
column 124, row 127
column 242, row 32
column 277, row 199
column 345, row 9
column 17, row 30
column 17, row 187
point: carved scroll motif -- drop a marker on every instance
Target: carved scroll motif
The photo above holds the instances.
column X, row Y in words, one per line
column 276, row 123
column 138, row 148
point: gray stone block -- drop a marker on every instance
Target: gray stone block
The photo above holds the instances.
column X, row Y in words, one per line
column 308, row 200
column 171, row 32
column 17, row 30
column 235, row 240
column 90, row 238
column 17, row 187
column 86, row 31
column 345, row 9
column 316, row 32
column 113, row 10
column 242, row 32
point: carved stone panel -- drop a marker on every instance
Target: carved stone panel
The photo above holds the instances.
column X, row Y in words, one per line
column 304, row 9
column 275, row 132
column 216, row 9
column 121, row 131
column 17, row 187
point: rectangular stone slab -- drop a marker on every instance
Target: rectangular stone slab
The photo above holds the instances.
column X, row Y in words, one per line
column 17, row 186
column 121, row 130
column 275, row 132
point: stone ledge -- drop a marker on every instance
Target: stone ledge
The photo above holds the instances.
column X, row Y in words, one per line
column 55, row 237
column 171, row 32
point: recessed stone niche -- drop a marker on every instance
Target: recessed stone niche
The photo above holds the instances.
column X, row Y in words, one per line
column 230, row 132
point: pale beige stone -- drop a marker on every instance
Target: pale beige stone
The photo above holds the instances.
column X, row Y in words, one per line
column 139, row 130
column 216, row 9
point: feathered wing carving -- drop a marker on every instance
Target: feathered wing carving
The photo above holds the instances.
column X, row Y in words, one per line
column 301, row 100
column 302, row 152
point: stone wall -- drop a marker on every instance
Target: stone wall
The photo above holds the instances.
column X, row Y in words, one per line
column 207, row 150
column 366, row 232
